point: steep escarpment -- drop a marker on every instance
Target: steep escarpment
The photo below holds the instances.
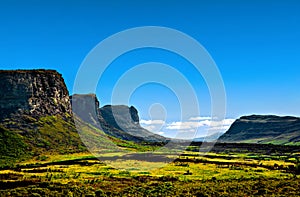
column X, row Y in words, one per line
column 264, row 129
column 126, row 119
column 33, row 92
column 115, row 120
column 35, row 111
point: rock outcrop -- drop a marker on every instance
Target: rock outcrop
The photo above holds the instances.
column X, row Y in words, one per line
column 35, row 111
column 115, row 120
column 33, row 92
column 264, row 129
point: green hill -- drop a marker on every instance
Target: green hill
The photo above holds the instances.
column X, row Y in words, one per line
column 264, row 129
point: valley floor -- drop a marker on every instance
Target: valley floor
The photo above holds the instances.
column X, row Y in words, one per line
column 217, row 173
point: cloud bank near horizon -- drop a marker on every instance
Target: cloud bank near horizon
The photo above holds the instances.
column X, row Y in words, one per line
column 200, row 126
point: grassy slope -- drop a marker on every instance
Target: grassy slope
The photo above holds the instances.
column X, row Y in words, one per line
column 12, row 147
column 53, row 135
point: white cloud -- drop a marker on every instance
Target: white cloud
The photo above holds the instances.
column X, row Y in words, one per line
column 187, row 129
column 193, row 125
column 200, row 118
column 151, row 122
column 183, row 125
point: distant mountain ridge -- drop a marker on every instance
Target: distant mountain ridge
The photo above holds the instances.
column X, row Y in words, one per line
column 264, row 129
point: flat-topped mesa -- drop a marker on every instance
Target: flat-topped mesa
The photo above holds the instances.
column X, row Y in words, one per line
column 264, row 129
column 120, row 115
column 33, row 92
column 119, row 121
column 86, row 106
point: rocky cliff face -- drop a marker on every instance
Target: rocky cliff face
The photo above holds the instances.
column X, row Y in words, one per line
column 120, row 116
column 264, row 129
column 86, row 107
column 35, row 112
column 115, row 120
column 33, row 92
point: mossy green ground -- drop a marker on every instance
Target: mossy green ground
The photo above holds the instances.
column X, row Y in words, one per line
column 56, row 136
column 81, row 174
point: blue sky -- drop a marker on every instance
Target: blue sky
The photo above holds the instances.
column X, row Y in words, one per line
column 255, row 44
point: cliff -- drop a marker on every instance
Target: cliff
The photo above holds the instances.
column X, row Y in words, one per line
column 33, row 92
column 35, row 115
column 264, row 129
column 115, row 120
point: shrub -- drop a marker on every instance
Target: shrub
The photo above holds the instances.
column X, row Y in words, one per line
column 99, row 193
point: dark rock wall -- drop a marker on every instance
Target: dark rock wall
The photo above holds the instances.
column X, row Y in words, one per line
column 86, row 106
column 120, row 116
column 115, row 120
column 33, row 92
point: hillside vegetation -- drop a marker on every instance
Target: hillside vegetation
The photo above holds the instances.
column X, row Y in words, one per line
column 56, row 135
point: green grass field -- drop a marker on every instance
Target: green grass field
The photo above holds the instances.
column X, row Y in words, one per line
column 190, row 174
